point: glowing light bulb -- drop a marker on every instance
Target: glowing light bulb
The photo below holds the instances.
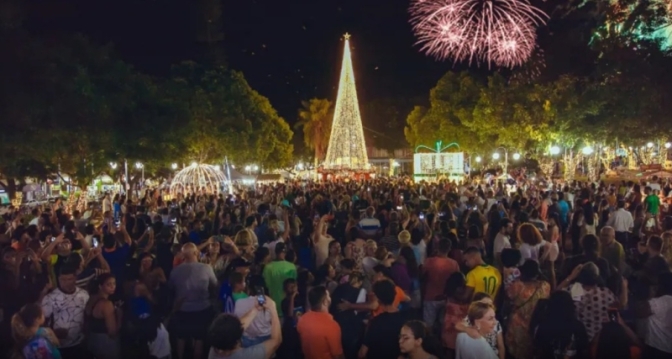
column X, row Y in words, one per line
column 555, row 150
column 174, row 166
column 516, row 156
column 495, row 156
column 649, row 145
column 587, row 150
column 478, row 159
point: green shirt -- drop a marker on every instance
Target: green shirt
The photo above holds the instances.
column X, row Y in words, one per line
column 652, row 204
column 239, row 296
column 275, row 274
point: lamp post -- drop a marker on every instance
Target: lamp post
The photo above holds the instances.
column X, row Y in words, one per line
column 173, row 166
column 247, row 169
column 141, row 167
column 495, row 156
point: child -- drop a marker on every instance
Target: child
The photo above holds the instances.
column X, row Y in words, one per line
column 495, row 339
column 34, row 341
column 237, row 282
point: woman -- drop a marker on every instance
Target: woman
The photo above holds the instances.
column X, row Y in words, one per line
column 326, row 276
column 355, row 248
column 334, row 258
column 404, row 270
column 559, row 334
column 533, row 242
column 417, row 342
column 104, row 319
column 32, row 340
column 215, row 255
column 482, row 319
column 524, row 294
column 575, row 230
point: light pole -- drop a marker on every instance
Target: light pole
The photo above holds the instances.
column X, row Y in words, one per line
column 173, row 166
column 141, row 167
column 247, row 169
column 495, row 156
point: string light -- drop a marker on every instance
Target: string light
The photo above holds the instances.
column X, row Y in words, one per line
column 347, row 149
column 197, row 178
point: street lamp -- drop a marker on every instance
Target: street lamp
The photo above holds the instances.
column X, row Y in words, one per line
column 516, row 156
column 140, row 166
column 587, row 150
column 478, row 159
column 174, row 166
column 194, row 164
column 300, row 166
column 495, row 156
column 255, row 168
column 649, row 145
column 113, row 165
column 555, row 150
column 668, row 145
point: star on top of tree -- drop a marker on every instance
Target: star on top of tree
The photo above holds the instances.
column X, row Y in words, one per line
column 346, row 36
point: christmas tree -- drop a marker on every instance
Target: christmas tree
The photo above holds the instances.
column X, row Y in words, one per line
column 347, row 149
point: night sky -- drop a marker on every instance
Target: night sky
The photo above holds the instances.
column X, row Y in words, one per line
column 289, row 50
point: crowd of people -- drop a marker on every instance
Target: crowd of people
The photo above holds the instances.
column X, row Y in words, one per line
column 385, row 268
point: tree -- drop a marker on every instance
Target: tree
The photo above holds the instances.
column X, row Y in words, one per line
column 315, row 118
column 226, row 117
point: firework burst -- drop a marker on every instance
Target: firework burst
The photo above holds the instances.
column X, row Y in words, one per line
column 500, row 32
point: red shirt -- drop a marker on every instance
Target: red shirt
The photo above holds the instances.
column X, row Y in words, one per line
column 320, row 336
column 437, row 271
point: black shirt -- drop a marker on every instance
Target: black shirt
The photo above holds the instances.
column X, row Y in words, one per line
column 382, row 336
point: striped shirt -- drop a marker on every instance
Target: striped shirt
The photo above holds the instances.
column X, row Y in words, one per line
column 370, row 226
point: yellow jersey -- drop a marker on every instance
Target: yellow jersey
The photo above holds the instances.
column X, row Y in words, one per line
column 485, row 279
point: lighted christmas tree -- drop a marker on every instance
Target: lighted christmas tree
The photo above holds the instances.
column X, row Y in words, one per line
column 347, row 149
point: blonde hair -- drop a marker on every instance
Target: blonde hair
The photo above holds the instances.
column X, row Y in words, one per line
column 477, row 311
column 528, row 233
column 243, row 238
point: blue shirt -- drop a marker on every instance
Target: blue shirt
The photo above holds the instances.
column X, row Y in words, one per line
column 564, row 212
column 226, row 295
column 117, row 259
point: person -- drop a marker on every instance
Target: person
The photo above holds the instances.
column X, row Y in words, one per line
column 225, row 296
column 275, row 274
column 65, row 308
column 482, row 277
column 622, row 223
column 652, row 204
column 558, row 333
column 293, row 306
column 616, row 340
column 351, row 324
column 482, row 318
column 104, row 319
column 34, row 341
column 658, row 314
column 320, row 334
column 192, row 282
column 385, row 327
column 612, row 250
column 417, row 342
column 369, row 225
column 226, row 333
column 502, row 239
column 435, row 273
column 457, row 307
column 494, row 338
column 260, row 328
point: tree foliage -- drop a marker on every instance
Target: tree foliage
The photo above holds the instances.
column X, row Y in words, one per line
column 315, row 117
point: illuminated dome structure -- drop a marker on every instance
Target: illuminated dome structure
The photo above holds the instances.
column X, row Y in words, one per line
column 198, row 178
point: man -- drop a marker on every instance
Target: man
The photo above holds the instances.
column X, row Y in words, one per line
column 481, row 278
column 385, row 327
column 63, row 308
column 622, row 223
column 652, row 204
column 658, row 316
column 435, row 273
column 226, row 333
column 276, row 272
column 238, row 265
column 259, row 329
column 370, row 225
column 192, row 282
column 320, row 334
column 391, row 240
column 116, row 249
column 611, row 250
column 502, row 240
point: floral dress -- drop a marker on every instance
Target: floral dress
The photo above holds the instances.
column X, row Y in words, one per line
column 524, row 299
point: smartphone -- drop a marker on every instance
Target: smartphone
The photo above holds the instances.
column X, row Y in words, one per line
column 421, row 216
column 117, row 223
column 53, row 239
column 613, row 314
column 95, row 242
column 399, row 208
column 261, row 299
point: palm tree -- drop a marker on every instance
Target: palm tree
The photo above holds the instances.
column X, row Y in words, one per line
column 315, row 118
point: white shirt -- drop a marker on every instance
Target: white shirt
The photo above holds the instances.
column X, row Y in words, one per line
column 261, row 324
column 501, row 241
column 271, row 247
column 68, row 313
column 531, row 252
column 322, row 249
column 659, row 324
column 621, row 220
column 160, row 347
column 468, row 348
